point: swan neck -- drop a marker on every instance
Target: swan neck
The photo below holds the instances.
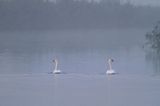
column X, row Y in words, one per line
column 110, row 65
column 56, row 65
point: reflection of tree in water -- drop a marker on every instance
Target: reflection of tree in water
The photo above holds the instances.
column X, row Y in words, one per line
column 153, row 48
column 154, row 61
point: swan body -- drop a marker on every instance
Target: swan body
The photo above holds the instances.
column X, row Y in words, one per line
column 110, row 71
column 56, row 71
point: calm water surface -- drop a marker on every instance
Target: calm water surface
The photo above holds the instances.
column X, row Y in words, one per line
column 78, row 51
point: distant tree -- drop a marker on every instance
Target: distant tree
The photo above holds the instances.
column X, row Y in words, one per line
column 153, row 38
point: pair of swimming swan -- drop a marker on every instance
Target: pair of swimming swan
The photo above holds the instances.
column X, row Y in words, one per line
column 110, row 71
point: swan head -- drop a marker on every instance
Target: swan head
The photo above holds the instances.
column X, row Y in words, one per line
column 110, row 60
column 54, row 61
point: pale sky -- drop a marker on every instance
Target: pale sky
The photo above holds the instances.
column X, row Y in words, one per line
column 144, row 2
column 138, row 2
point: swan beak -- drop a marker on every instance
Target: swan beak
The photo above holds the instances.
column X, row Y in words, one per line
column 112, row 60
column 53, row 61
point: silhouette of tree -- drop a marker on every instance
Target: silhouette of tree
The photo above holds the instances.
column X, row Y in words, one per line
column 153, row 38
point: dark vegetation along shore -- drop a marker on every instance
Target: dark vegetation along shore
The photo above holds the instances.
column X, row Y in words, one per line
column 71, row 14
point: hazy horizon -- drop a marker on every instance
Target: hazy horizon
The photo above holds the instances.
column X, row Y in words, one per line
column 139, row 2
column 145, row 2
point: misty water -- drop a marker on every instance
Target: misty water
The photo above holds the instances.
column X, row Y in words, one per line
column 78, row 51
column 26, row 59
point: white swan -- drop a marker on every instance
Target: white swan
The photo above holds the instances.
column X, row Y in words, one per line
column 56, row 71
column 110, row 71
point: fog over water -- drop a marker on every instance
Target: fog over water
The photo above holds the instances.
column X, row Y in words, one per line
column 78, row 51
column 81, row 35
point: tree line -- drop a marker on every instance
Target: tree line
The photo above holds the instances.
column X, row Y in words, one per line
column 69, row 14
